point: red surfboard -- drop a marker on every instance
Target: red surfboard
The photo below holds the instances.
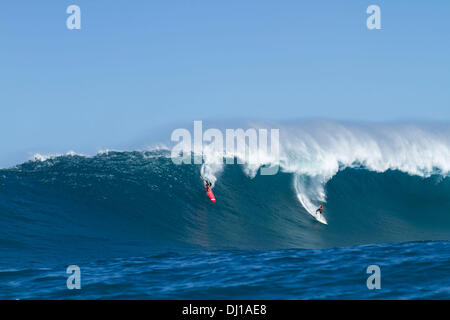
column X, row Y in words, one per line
column 210, row 194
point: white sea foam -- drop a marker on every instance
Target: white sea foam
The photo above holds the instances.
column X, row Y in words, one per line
column 49, row 156
column 154, row 148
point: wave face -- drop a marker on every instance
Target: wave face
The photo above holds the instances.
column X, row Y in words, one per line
column 81, row 205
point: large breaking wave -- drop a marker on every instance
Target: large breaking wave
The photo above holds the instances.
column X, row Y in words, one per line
column 378, row 183
column 315, row 153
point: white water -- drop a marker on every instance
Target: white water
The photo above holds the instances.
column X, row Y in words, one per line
column 315, row 152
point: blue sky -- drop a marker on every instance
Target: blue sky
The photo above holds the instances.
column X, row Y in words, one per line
column 138, row 65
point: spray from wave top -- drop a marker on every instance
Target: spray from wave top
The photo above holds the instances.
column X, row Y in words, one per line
column 316, row 152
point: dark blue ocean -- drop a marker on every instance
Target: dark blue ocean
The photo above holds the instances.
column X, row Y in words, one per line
column 140, row 227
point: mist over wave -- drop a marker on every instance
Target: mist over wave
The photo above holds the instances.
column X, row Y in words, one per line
column 315, row 152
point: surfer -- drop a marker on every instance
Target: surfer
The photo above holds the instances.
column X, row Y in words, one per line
column 208, row 183
column 320, row 210
column 208, row 186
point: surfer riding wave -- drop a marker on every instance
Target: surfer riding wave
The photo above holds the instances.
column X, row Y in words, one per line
column 208, row 183
column 208, row 186
column 320, row 209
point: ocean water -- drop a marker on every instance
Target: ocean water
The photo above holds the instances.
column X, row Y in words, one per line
column 414, row 270
column 141, row 227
